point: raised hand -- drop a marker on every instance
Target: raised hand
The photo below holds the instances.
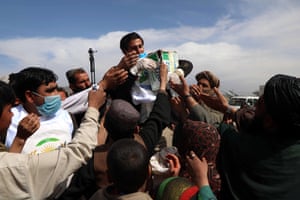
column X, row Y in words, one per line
column 96, row 98
column 113, row 77
column 129, row 60
column 198, row 169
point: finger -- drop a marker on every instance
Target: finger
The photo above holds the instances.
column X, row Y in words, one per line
column 191, row 155
column 183, row 80
column 203, row 159
column 174, row 159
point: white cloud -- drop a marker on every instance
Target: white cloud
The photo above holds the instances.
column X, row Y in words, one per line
column 242, row 53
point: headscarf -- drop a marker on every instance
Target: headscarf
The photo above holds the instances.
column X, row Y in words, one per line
column 212, row 79
column 204, row 140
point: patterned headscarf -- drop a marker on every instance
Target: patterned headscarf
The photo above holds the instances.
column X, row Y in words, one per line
column 204, row 140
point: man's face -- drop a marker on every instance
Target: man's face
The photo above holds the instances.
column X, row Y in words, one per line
column 82, row 82
column 136, row 45
column 45, row 90
column 204, row 85
column 5, row 118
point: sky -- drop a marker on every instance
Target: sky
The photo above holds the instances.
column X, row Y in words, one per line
column 243, row 42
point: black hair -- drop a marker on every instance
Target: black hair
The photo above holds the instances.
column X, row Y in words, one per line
column 128, row 165
column 282, row 101
column 125, row 40
column 7, row 96
column 70, row 74
column 30, row 79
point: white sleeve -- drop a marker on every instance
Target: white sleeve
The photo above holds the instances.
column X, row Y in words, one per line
column 76, row 103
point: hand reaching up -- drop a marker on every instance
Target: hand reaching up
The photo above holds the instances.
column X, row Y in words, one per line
column 198, row 169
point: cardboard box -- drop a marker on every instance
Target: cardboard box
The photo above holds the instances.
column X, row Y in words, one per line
column 151, row 78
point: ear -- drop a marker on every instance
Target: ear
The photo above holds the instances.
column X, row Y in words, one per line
column 29, row 96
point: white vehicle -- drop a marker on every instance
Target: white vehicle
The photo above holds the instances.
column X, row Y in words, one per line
column 237, row 101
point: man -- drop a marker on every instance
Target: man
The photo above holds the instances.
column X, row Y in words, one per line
column 78, row 79
column 265, row 158
column 132, row 45
column 261, row 160
column 37, row 90
column 129, row 171
column 26, row 176
column 122, row 122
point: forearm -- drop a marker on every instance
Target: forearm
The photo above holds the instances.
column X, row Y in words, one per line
column 77, row 103
column 159, row 118
column 58, row 165
column 17, row 145
column 205, row 193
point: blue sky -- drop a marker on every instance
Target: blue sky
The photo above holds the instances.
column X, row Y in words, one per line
column 244, row 42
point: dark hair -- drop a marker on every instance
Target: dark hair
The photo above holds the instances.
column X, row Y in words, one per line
column 61, row 89
column 128, row 163
column 30, row 79
column 7, row 96
column 125, row 40
column 70, row 74
column 282, row 101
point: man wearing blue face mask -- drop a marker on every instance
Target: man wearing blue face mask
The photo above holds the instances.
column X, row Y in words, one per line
column 37, row 90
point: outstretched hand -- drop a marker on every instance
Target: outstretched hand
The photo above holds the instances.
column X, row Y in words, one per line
column 96, row 98
column 163, row 72
column 174, row 164
column 113, row 77
column 198, row 169
column 128, row 61
column 217, row 102
column 182, row 89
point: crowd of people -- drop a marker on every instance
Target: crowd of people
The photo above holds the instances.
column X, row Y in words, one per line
column 186, row 143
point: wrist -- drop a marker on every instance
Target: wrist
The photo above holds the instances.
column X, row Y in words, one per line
column 20, row 140
column 186, row 96
column 103, row 84
column 163, row 90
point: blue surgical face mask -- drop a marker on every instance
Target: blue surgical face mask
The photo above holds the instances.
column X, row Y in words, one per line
column 51, row 105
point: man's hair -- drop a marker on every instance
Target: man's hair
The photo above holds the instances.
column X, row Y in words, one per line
column 128, row 165
column 70, row 74
column 7, row 96
column 125, row 40
column 30, row 79
column 212, row 79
